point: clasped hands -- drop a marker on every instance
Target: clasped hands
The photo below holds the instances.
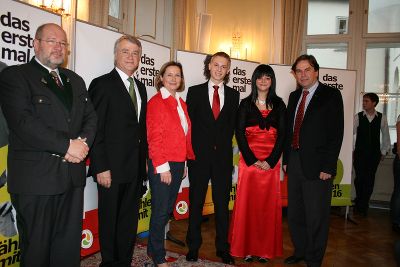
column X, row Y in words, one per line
column 262, row 165
column 77, row 150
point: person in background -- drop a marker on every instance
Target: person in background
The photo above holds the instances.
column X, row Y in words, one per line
column 370, row 127
column 212, row 109
column 52, row 124
column 119, row 153
column 395, row 200
column 169, row 138
column 7, row 220
column 260, row 132
column 314, row 135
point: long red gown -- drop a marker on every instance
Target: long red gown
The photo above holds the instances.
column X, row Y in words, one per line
column 256, row 223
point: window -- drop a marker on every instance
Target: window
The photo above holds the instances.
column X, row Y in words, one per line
column 362, row 35
column 115, row 15
column 327, row 16
column 383, row 16
column 329, row 55
column 114, row 8
column 382, row 77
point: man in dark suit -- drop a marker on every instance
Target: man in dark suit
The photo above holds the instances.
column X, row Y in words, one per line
column 314, row 138
column 118, row 156
column 212, row 108
column 52, row 123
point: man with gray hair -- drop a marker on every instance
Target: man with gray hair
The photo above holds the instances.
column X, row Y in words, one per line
column 118, row 156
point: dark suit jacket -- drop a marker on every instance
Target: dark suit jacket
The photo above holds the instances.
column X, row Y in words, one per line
column 321, row 132
column 250, row 115
column 41, row 126
column 121, row 142
column 210, row 136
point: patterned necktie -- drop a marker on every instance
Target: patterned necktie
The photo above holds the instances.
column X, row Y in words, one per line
column 299, row 120
column 215, row 103
column 54, row 75
column 132, row 93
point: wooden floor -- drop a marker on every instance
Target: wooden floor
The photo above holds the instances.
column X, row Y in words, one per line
column 368, row 243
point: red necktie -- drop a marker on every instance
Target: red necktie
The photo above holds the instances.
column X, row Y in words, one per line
column 299, row 120
column 54, row 75
column 215, row 103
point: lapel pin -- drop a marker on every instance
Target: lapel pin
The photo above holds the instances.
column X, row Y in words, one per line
column 43, row 81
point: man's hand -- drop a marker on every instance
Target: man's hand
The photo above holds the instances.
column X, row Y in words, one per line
column 324, row 176
column 104, row 178
column 71, row 159
column 166, row 177
column 77, row 149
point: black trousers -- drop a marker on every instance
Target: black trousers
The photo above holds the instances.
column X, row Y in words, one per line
column 50, row 228
column 200, row 172
column 365, row 166
column 118, row 220
column 309, row 203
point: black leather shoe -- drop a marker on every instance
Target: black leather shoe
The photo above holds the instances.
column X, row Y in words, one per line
column 225, row 257
column 293, row 259
column 192, row 255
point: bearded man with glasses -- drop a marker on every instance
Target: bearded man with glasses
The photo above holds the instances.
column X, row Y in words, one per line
column 52, row 124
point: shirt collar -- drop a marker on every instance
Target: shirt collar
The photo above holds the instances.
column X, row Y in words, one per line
column 211, row 84
column 165, row 93
column 47, row 68
column 123, row 75
column 373, row 115
column 312, row 89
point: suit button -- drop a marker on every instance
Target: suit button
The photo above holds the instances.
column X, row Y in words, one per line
column 215, row 147
column 63, row 160
column 68, row 120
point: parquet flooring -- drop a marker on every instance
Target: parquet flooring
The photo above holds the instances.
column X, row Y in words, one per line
column 368, row 243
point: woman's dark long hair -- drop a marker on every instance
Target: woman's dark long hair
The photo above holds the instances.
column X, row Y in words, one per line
column 260, row 71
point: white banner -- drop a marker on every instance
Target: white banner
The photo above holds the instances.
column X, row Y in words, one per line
column 18, row 24
column 94, row 55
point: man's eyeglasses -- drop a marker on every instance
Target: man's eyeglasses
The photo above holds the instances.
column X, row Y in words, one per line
column 54, row 42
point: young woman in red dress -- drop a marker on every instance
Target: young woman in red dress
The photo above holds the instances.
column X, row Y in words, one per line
column 256, row 224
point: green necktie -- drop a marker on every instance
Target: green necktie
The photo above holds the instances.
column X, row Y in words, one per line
column 132, row 93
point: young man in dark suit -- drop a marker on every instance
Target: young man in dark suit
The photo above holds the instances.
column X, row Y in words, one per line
column 314, row 138
column 212, row 108
column 118, row 156
column 52, row 123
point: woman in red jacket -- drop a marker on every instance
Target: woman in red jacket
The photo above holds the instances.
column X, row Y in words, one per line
column 169, row 138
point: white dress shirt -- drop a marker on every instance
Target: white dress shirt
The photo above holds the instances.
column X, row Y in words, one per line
column 124, row 78
column 221, row 91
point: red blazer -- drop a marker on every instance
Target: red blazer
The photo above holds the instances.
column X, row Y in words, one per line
column 165, row 135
